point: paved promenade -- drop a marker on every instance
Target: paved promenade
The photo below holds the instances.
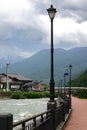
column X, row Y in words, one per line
column 78, row 118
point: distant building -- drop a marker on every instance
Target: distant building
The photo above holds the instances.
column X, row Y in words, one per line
column 38, row 87
column 15, row 81
column 33, row 86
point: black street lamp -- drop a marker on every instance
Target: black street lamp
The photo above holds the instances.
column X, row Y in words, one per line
column 61, row 85
column 70, row 67
column 52, row 11
column 65, row 74
column 64, row 82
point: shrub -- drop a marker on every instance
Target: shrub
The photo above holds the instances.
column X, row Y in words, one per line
column 81, row 93
column 30, row 95
column 16, row 95
column 46, row 94
column 34, row 94
column 5, row 94
column 56, row 94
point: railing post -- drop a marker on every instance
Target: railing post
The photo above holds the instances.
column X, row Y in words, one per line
column 6, row 121
column 23, row 126
column 52, row 106
column 63, row 112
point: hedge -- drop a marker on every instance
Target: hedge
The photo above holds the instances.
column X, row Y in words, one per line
column 29, row 95
column 26, row 95
column 81, row 94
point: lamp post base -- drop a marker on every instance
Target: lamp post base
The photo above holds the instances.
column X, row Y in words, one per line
column 52, row 105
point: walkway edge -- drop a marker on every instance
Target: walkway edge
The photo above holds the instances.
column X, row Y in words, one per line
column 62, row 125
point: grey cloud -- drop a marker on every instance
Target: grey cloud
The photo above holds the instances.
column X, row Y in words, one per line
column 29, row 39
column 72, row 40
column 66, row 8
column 73, row 8
column 26, row 31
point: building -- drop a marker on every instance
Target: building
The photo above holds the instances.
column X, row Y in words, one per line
column 13, row 81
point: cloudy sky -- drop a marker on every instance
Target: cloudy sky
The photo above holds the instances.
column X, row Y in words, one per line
column 25, row 26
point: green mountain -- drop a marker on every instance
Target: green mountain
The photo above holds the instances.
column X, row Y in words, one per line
column 80, row 81
column 38, row 66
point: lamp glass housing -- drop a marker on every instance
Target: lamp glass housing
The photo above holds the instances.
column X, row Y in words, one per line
column 51, row 11
column 70, row 66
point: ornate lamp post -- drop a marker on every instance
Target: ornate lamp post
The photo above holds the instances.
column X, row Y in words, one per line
column 65, row 74
column 52, row 11
column 61, row 85
column 64, row 82
column 70, row 67
column 52, row 103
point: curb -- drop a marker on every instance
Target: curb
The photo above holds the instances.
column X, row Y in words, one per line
column 62, row 125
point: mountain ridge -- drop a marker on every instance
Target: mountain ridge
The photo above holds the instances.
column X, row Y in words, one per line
column 38, row 65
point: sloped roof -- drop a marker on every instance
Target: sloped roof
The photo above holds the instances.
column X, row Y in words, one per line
column 18, row 77
column 34, row 83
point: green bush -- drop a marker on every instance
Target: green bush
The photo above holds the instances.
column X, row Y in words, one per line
column 81, row 94
column 56, row 94
column 15, row 95
column 5, row 94
column 46, row 94
column 34, row 94
column 1, row 90
column 29, row 95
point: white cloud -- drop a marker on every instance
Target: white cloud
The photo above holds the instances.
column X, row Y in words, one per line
column 65, row 29
column 25, row 54
column 13, row 51
column 68, row 25
column 69, row 31
column 25, row 25
column 17, row 11
column 65, row 26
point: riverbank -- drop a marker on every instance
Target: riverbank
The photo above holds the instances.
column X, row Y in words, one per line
column 25, row 95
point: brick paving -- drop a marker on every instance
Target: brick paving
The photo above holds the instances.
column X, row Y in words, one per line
column 78, row 118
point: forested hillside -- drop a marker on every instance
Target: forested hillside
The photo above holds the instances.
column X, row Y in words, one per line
column 80, row 81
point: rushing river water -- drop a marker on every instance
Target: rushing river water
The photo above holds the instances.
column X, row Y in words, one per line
column 23, row 108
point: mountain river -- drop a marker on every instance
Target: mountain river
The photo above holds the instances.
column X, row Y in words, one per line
column 23, row 108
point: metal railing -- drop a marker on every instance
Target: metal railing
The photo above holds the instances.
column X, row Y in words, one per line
column 43, row 121
column 40, row 122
